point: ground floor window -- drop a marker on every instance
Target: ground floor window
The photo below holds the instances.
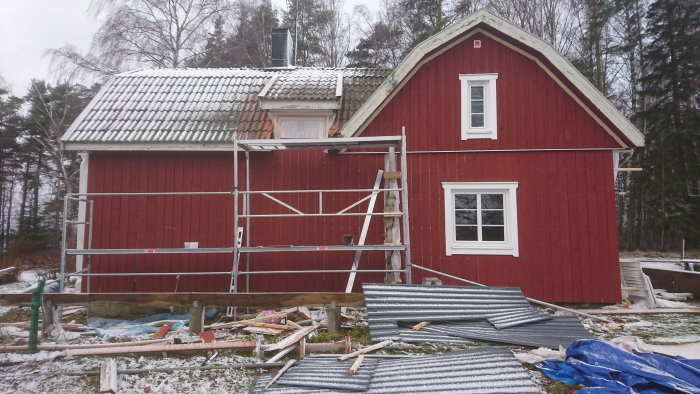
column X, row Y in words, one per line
column 481, row 218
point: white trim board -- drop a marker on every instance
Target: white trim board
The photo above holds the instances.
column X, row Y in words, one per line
column 415, row 60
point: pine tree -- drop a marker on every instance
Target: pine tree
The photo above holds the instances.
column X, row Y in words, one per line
column 669, row 207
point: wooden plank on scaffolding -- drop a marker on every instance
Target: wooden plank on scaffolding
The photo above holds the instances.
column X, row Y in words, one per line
column 165, row 300
column 363, row 233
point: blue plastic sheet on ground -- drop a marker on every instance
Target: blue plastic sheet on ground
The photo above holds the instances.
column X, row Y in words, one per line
column 605, row 368
column 105, row 328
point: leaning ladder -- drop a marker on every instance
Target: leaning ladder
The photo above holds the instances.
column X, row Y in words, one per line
column 234, row 272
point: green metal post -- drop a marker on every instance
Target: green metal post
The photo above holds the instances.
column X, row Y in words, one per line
column 35, row 304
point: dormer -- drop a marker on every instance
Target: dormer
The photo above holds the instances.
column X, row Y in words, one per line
column 303, row 103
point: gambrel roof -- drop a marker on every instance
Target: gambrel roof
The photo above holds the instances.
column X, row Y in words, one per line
column 539, row 51
column 183, row 109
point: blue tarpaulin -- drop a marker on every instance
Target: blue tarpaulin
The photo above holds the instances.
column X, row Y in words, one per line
column 115, row 327
column 604, row 368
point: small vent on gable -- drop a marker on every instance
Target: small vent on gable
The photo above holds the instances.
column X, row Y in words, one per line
column 477, row 43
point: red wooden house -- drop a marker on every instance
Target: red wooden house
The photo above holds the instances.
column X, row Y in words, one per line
column 510, row 161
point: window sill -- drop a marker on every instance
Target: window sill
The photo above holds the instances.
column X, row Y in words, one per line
column 501, row 250
column 481, row 134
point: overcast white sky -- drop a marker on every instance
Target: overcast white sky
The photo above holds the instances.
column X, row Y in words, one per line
column 29, row 27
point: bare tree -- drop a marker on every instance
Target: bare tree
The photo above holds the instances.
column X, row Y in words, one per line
column 335, row 34
column 155, row 33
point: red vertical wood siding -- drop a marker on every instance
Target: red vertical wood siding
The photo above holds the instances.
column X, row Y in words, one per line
column 566, row 212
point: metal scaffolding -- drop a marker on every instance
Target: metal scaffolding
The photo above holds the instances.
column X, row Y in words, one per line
column 243, row 247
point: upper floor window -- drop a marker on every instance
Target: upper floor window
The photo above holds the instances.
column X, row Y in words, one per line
column 479, row 106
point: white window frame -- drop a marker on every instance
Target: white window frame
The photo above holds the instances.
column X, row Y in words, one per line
column 278, row 119
column 510, row 217
column 490, row 128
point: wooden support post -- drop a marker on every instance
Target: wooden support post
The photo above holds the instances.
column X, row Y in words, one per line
column 108, row 376
column 196, row 319
column 49, row 313
column 333, row 315
column 392, row 231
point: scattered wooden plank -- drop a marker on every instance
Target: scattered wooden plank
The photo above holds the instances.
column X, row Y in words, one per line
column 282, row 315
column 420, row 325
column 108, row 376
column 241, row 345
column 628, row 169
column 277, row 300
column 263, row 330
column 294, row 325
column 294, row 338
column 162, row 331
column 357, row 364
column 366, row 350
column 86, row 346
column 281, row 354
column 279, row 374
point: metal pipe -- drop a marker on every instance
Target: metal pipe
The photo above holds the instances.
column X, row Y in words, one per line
column 136, row 371
column 64, row 239
column 88, row 257
column 316, row 272
column 154, row 273
column 534, row 301
column 404, row 206
column 320, row 190
column 234, row 279
column 303, row 215
column 247, row 220
column 78, row 273
column 155, row 194
column 490, row 151
column 291, row 248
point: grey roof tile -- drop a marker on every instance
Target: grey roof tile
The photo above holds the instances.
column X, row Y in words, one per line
column 209, row 105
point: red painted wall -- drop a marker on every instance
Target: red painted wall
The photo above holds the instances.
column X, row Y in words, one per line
column 566, row 211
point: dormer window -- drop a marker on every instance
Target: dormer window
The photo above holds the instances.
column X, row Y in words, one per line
column 301, row 127
column 479, row 106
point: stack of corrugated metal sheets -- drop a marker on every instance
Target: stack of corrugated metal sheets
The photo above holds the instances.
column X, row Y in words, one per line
column 464, row 314
column 483, row 370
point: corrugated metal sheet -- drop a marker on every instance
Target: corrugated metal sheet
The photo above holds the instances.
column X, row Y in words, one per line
column 502, row 306
column 483, row 370
column 560, row 331
column 208, row 105
column 329, row 373
column 490, row 314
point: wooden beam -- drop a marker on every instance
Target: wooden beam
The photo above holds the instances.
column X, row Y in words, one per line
column 366, row 350
column 420, row 325
column 357, row 364
column 165, row 300
column 392, row 175
column 108, row 376
column 280, row 373
column 628, row 169
column 22, row 348
column 243, row 345
column 292, row 339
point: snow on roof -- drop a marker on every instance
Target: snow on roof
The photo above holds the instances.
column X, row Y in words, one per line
column 206, row 106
